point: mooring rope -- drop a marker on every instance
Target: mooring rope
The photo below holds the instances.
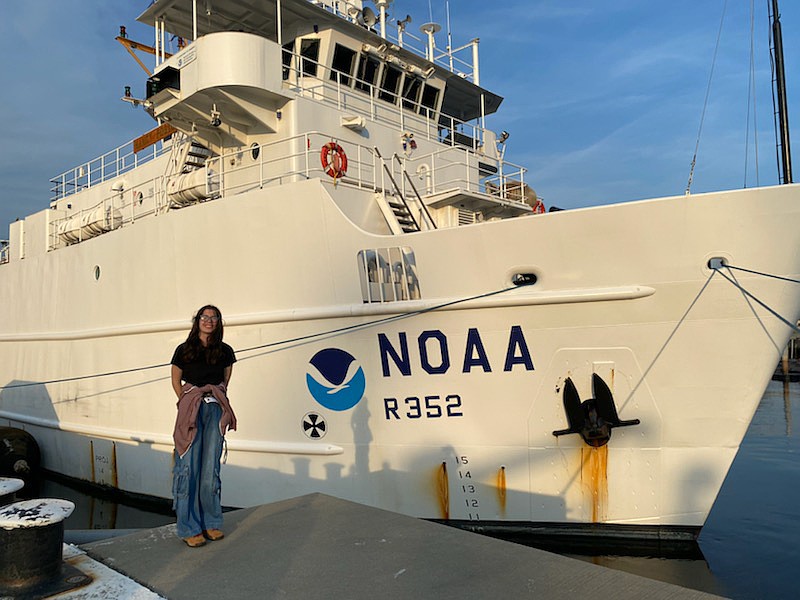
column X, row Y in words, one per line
column 302, row 338
column 770, row 275
column 732, row 279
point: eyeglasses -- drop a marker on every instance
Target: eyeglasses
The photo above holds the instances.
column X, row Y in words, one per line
column 207, row 319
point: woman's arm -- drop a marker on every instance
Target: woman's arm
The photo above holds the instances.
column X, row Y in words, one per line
column 177, row 375
column 227, row 376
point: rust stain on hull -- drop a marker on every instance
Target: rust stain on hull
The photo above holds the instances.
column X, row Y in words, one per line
column 594, row 476
column 443, row 490
column 91, row 456
column 501, row 490
column 114, row 476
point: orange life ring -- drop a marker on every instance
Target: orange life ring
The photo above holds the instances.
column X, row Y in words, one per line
column 334, row 160
column 538, row 207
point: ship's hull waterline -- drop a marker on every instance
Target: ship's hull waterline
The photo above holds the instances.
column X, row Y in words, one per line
column 459, row 403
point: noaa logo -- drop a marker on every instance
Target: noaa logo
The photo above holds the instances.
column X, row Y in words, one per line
column 335, row 379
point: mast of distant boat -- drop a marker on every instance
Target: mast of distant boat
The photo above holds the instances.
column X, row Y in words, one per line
column 780, row 91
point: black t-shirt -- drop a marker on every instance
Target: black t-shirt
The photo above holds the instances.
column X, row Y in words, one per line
column 199, row 372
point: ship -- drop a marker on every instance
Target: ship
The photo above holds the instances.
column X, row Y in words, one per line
column 414, row 330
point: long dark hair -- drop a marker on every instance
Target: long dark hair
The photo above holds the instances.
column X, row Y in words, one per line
column 193, row 347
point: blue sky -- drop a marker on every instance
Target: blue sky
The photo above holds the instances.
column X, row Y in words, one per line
column 603, row 99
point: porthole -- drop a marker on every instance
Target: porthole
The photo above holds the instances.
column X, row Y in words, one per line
column 97, row 272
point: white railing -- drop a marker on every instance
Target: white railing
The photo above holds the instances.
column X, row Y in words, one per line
column 108, row 166
column 350, row 94
column 406, row 116
column 298, row 158
column 449, row 58
column 3, row 252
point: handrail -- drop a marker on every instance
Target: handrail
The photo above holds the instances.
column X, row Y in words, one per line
column 294, row 159
column 397, row 190
column 415, row 118
column 325, row 86
column 106, row 166
column 444, row 58
column 431, row 222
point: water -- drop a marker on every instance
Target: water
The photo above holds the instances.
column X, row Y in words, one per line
column 749, row 544
column 750, row 540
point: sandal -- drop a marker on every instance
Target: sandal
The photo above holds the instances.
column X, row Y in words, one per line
column 214, row 534
column 195, row 541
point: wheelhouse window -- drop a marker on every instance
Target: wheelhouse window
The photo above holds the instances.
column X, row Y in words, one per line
column 309, row 53
column 166, row 78
column 430, row 97
column 342, row 65
column 367, row 73
column 389, row 84
column 286, row 58
column 411, row 89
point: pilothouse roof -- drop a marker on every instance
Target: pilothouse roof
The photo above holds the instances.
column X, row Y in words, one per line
column 462, row 99
column 250, row 16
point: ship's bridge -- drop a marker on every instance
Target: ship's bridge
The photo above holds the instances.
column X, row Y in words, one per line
column 408, row 69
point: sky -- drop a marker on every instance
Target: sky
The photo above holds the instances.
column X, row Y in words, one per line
column 603, row 98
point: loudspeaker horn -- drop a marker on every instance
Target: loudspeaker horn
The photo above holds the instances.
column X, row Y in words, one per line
column 368, row 16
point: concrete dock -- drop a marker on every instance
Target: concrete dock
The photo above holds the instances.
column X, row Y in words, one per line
column 319, row 547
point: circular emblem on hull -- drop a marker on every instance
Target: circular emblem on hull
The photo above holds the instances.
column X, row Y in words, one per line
column 314, row 426
column 335, row 379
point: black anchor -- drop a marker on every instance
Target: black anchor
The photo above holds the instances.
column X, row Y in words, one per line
column 594, row 418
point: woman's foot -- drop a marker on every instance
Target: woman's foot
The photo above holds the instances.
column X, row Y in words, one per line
column 214, row 534
column 195, row 541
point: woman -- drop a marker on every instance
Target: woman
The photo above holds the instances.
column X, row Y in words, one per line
column 201, row 370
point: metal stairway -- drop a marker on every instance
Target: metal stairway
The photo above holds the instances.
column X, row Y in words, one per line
column 187, row 156
column 399, row 210
column 195, row 156
column 397, row 213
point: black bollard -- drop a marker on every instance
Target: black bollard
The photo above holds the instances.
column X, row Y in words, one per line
column 31, row 540
column 8, row 489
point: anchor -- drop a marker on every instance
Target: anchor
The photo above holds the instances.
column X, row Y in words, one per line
column 594, row 418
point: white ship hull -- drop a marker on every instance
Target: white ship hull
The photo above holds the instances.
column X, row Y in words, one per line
column 463, row 374
column 623, row 291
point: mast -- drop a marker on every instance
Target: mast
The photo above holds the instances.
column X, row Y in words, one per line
column 780, row 91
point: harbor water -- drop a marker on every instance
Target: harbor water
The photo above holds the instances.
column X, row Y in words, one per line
column 747, row 549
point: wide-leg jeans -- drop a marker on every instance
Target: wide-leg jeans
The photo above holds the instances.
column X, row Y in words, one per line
column 196, row 483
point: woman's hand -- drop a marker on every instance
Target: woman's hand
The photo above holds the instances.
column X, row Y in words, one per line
column 177, row 377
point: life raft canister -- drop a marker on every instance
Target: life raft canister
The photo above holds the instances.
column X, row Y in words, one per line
column 334, row 160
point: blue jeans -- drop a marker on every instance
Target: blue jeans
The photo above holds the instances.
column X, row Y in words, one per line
column 196, row 484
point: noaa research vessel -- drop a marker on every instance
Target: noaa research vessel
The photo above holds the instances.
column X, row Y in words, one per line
column 413, row 331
